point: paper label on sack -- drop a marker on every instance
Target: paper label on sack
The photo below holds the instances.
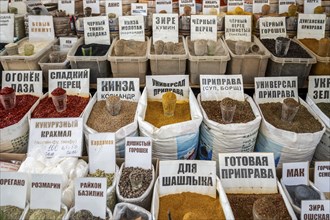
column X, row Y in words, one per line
column 114, row 6
column 96, row 30
column 93, row 4
column 27, row 82
column 67, row 5
column 257, row 5
column 164, row 5
column 46, row 191
column 74, row 81
column 34, row 4
column 7, row 28
column 41, row 28
column 158, row 85
column 315, row 209
column 66, row 43
column 138, row 152
column 20, row 5
column 232, row 4
column 125, row 88
column 165, row 27
column 178, row 176
column 319, row 88
column 191, row 3
column 131, row 28
column 209, row 5
column 203, row 27
column 56, row 136
column 275, row 89
column 295, row 173
column 310, row 5
column 218, row 87
column 272, row 27
column 102, row 152
column 238, row 27
column 322, row 175
column 90, row 194
column 13, row 188
column 311, row 26
column 248, row 172
column 139, row 9
column 4, row 6
column 283, row 5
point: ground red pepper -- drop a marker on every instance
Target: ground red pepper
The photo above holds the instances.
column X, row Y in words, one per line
column 14, row 115
column 46, row 108
column 6, row 90
column 58, row 91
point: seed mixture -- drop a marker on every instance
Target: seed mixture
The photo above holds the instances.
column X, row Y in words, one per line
column 302, row 192
column 101, row 173
column 295, row 50
column 324, row 107
column 102, row 121
column 243, row 112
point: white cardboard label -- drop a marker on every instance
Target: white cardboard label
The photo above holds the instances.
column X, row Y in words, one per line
column 311, row 26
column 191, row 3
column 4, row 6
column 138, row 152
column 90, row 194
column 165, row 28
column 102, row 152
column 322, row 175
column 46, row 191
column 67, row 42
column 13, row 188
column 272, row 27
column 27, row 82
column 41, row 28
column 67, row 5
column 310, row 5
column 275, row 89
column 295, row 173
column 74, row 81
column 210, row 4
column 238, row 27
column 218, row 87
column 131, row 28
column 319, row 88
column 232, row 4
column 283, row 5
column 158, row 85
column 164, row 5
column 257, row 5
column 93, row 4
column 7, row 28
column 248, row 172
column 315, row 209
column 114, row 6
column 56, row 136
column 20, row 5
column 97, row 30
column 139, row 9
column 125, row 88
column 203, row 27
column 178, row 176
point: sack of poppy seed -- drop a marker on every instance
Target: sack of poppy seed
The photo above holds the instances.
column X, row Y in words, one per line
column 318, row 98
column 218, row 135
column 100, row 116
column 292, row 138
column 138, row 196
column 168, row 112
column 20, row 99
column 124, row 210
column 84, row 214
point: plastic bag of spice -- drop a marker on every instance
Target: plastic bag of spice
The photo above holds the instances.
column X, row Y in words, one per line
column 173, row 141
column 70, row 215
column 124, row 183
column 288, row 146
column 127, row 211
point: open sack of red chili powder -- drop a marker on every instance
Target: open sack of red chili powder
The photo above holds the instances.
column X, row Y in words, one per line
column 15, row 108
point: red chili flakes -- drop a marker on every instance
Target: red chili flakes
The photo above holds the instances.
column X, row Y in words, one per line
column 12, row 116
column 46, row 108
column 58, row 91
column 6, row 90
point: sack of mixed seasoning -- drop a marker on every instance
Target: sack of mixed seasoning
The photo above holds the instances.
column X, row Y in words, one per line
column 168, row 112
column 125, row 211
